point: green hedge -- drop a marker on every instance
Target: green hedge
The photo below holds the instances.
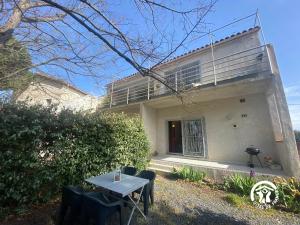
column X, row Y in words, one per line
column 42, row 150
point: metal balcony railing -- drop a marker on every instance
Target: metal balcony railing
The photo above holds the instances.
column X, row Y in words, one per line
column 253, row 61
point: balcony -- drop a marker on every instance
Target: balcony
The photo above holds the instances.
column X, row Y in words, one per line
column 252, row 62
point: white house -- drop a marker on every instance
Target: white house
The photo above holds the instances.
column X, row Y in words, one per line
column 46, row 90
column 229, row 97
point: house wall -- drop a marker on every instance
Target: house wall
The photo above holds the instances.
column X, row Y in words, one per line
column 267, row 125
column 287, row 148
column 39, row 91
column 225, row 49
column 235, row 45
column 149, row 116
column 224, row 142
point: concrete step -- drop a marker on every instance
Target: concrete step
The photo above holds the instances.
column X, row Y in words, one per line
column 171, row 164
column 213, row 169
column 161, row 166
column 160, row 171
column 162, row 162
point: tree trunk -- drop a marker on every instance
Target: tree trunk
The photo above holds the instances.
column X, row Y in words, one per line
column 6, row 31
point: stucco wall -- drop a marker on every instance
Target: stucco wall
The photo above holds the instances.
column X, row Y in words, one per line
column 287, row 148
column 227, row 48
column 148, row 115
column 65, row 97
column 224, row 142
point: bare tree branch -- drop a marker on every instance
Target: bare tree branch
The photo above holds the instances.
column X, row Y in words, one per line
column 43, row 19
column 143, row 71
column 85, row 37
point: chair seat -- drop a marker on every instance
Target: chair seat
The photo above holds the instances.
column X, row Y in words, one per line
column 106, row 200
column 99, row 207
column 148, row 191
column 129, row 170
column 71, row 199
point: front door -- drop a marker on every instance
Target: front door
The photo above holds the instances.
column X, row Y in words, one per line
column 175, row 137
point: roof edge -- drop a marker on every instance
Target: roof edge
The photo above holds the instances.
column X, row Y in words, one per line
column 63, row 82
column 191, row 52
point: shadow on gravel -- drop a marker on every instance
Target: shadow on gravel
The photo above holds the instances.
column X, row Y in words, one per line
column 163, row 214
column 159, row 214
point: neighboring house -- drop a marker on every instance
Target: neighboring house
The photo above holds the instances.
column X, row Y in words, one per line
column 231, row 97
column 47, row 90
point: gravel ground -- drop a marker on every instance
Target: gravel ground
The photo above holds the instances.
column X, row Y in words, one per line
column 181, row 203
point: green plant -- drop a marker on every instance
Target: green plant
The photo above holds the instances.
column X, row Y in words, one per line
column 239, row 184
column 42, row 150
column 288, row 190
column 289, row 193
column 235, row 200
column 188, row 173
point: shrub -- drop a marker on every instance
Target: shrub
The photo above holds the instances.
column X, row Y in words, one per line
column 42, row 150
column 188, row 173
column 289, row 193
column 239, row 184
column 288, row 189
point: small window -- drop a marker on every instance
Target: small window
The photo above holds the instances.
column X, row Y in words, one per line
column 184, row 76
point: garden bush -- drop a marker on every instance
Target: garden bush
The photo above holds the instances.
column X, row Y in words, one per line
column 289, row 193
column 288, row 189
column 42, row 150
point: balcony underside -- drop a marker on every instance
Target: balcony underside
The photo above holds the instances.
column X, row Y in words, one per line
column 231, row 88
column 245, row 66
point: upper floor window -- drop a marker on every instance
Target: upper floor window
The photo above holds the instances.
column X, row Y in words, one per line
column 184, row 76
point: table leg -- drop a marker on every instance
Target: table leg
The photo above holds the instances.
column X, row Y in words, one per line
column 136, row 206
column 146, row 199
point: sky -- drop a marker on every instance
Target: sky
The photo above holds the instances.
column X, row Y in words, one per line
column 280, row 20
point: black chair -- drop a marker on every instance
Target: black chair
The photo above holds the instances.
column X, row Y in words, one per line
column 99, row 207
column 129, row 170
column 148, row 191
column 72, row 201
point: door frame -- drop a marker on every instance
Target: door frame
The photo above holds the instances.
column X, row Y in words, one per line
column 205, row 155
column 168, row 137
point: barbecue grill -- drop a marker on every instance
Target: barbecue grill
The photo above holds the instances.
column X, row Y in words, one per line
column 253, row 151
